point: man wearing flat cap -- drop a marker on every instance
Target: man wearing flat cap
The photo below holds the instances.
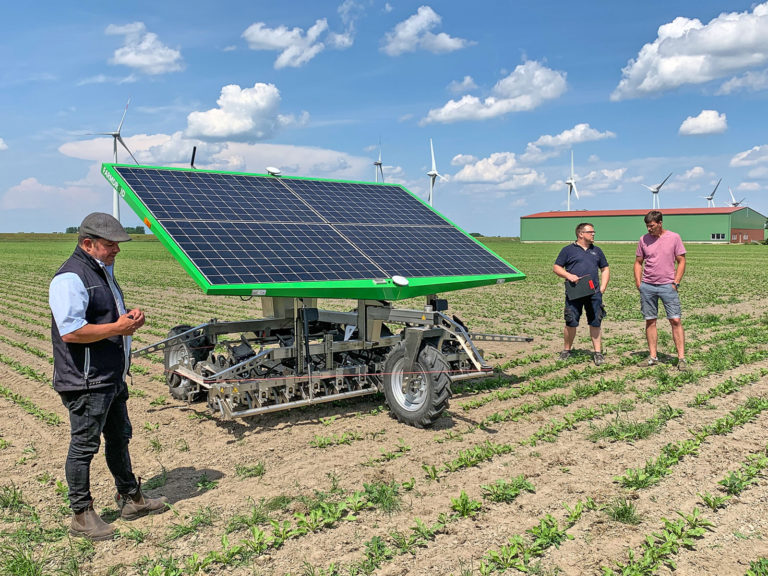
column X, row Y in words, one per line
column 91, row 334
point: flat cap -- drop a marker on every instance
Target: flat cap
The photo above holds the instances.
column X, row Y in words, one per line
column 101, row 225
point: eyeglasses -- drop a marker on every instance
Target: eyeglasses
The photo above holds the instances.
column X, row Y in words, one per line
column 587, row 231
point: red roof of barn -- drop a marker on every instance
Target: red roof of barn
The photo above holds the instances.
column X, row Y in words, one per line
column 668, row 211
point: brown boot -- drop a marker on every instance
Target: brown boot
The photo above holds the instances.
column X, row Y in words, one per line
column 136, row 505
column 90, row 525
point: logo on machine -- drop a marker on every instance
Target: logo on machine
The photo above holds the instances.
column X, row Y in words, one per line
column 111, row 179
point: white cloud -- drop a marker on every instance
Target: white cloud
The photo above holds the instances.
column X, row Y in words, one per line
column 750, row 81
column 414, row 33
column 100, row 149
column 534, row 155
column 501, row 170
column 751, row 157
column 3, row 145
column 576, row 135
column 104, row 79
column 495, row 168
column 707, row 122
column 689, row 52
column 32, row 195
column 465, row 85
column 604, row 179
column 143, row 50
column 526, row 88
column 693, row 174
column 242, row 114
column 463, row 160
column 760, row 172
column 298, row 47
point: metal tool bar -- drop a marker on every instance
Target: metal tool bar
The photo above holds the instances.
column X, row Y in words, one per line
column 478, row 337
column 228, row 413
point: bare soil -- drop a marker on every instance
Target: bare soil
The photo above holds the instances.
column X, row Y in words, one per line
column 190, row 448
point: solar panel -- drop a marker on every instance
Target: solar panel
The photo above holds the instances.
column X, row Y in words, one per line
column 280, row 236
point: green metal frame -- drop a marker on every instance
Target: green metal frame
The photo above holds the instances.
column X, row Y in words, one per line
column 364, row 289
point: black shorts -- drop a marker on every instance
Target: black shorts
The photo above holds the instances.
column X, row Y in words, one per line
column 592, row 304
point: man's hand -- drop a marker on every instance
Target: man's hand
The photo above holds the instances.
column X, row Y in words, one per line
column 129, row 322
column 138, row 316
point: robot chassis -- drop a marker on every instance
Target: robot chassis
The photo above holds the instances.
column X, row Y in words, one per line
column 298, row 355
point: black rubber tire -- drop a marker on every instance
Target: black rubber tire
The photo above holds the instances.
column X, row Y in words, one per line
column 428, row 392
column 178, row 387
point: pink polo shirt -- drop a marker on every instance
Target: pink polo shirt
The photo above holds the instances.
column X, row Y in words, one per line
column 659, row 256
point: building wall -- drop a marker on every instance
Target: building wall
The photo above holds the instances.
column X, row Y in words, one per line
column 691, row 227
column 746, row 235
column 748, row 218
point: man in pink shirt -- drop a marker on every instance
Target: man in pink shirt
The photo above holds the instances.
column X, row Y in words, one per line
column 659, row 268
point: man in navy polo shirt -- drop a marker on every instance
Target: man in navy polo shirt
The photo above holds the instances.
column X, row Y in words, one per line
column 575, row 261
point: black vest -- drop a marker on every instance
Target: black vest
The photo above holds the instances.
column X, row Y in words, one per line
column 98, row 364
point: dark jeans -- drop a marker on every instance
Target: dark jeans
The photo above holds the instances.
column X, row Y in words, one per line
column 91, row 414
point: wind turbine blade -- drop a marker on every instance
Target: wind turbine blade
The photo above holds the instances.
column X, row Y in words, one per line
column 649, row 187
column 716, row 185
column 120, row 138
column 123, row 118
column 114, row 147
column 665, row 179
column 432, row 150
column 576, row 191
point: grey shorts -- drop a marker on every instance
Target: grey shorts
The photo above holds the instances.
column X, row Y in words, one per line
column 649, row 300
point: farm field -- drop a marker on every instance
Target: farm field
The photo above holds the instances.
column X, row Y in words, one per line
column 550, row 467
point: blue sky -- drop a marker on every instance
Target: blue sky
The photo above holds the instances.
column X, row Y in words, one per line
column 505, row 90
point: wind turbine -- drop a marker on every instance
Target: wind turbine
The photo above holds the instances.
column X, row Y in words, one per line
column 655, row 192
column 734, row 203
column 116, row 137
column 571, row 183
column 711, row 198
column 377, row 166
column 433, row 174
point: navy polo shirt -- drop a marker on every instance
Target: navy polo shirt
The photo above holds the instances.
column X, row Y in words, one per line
column 582, row 262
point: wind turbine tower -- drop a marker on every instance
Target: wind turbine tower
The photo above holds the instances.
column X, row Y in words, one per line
column 116, row 137
column 711, row 198
column 655, row 192
column 571, row 183
column 377, row 166
column 433, row 174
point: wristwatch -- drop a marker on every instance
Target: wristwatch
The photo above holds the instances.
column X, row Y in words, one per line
column 676, row 284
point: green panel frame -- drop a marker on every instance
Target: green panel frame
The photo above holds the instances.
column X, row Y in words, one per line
column 368, row 289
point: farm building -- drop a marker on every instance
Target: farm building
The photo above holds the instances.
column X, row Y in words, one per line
column 733, row 225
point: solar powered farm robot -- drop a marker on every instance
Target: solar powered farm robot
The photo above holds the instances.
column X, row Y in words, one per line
column 291, row 241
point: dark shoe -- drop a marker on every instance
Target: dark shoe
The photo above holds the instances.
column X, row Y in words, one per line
column 90, row 525
column 598, row 358
column 565, row 354
column 136, row 505
column 682, row 365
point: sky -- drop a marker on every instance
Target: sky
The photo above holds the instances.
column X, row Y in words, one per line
column 505, row 90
